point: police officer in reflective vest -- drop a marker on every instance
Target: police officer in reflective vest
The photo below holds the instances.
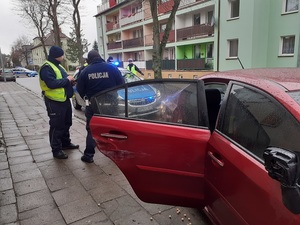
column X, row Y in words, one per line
column 96, row 77
column 57, row 90
column 133, row 68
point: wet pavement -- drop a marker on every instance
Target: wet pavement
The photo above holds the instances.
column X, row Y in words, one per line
column 36, row 189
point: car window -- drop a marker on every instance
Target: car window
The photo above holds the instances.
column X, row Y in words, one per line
column 256, row 120
column 168, row 102
column 220, row 86
column 130, row 77
column 296, row 96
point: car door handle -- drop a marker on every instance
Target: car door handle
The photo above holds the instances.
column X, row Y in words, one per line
column 114, row 136
column 215, row 159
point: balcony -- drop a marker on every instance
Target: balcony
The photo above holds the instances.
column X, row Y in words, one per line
column 132, row 43
column 107, row 4
column 132, row 18
column 149, row 38
column 167, row 64
column 184, row 3
column 190, row 64
column 165, row 7
column 194, row 32
column 112, row 26
column 114, row 45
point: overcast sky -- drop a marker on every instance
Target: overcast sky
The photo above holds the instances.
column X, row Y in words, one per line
column 12, row 26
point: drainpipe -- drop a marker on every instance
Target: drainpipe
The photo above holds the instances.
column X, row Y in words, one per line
column 2, row 65
column 218, row 39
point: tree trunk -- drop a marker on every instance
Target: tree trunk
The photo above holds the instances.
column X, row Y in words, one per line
column 160, row 45
column 52, row 12
column 77, row 29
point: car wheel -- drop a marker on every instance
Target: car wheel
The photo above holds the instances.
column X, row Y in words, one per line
column 75, row 104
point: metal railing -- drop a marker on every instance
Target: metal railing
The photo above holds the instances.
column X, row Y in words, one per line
column 139, row 16
column 190, row 64
column 114, row 45
column 135, row 42
column 194, row 31
column 149, row 38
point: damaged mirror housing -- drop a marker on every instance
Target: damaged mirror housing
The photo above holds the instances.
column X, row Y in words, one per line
column 283, row 166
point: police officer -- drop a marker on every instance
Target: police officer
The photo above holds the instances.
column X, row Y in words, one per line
column 110, row 59
column 133, row 68
column 57, row 90
column 88, row 85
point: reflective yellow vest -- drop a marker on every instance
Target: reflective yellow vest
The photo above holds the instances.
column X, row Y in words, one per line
column 57, row 94
column 133, row 70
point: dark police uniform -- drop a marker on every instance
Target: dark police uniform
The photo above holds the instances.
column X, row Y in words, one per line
column 88, row 85
column 57, row 91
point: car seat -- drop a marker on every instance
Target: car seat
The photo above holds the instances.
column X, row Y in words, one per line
column 213, row 100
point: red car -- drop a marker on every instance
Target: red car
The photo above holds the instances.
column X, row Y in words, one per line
column 228, row 142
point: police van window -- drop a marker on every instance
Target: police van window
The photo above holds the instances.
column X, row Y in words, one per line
column 255, row 120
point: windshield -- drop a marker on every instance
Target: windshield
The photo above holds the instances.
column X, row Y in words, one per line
column 296, row 96
column 130, row 77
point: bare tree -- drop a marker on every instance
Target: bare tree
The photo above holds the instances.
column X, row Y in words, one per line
column 20, row 51
column 53, row 15
column 77, row 29
column 160, row 45
column 35, row 12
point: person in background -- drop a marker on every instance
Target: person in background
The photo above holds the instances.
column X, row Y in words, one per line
column 133, row 68
column 88, row 85
column 57, row 90
column 84, row 65
column 110, row 59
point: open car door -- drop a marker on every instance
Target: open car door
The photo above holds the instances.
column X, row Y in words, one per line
column 156, row 132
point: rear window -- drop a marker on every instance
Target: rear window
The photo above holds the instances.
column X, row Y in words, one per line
column 296, row 96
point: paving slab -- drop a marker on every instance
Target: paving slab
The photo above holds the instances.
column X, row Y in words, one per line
column 37, row 189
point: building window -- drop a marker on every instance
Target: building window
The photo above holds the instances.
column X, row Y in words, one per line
column 290, row 5
column 288, row 45
column 163, row 27
column 234, row 6
column 233, row 47
column 210, row 18
column 209, row 49
column 137, row 33
column 197, row 19
column 197, row 52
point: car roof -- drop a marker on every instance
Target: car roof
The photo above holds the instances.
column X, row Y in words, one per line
column 286, row 78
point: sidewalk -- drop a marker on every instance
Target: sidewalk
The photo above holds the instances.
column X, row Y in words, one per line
column 36, row 189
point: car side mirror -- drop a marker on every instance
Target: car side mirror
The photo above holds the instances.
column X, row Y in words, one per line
column 283, row 166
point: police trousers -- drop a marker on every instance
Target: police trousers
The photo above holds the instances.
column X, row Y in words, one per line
column 60, row 115
column 90, row 143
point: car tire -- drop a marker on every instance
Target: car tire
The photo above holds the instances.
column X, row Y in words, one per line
column 75, row 104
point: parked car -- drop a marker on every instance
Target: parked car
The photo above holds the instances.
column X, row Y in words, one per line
column 24, row 71
column 7, row 75
column 144, row 101
column 236, row 154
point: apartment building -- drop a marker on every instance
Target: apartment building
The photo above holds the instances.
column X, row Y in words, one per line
column 206, row 35
column 38, row 55
column 255, row 33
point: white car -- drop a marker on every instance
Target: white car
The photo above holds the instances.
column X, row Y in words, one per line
column 27, row 72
